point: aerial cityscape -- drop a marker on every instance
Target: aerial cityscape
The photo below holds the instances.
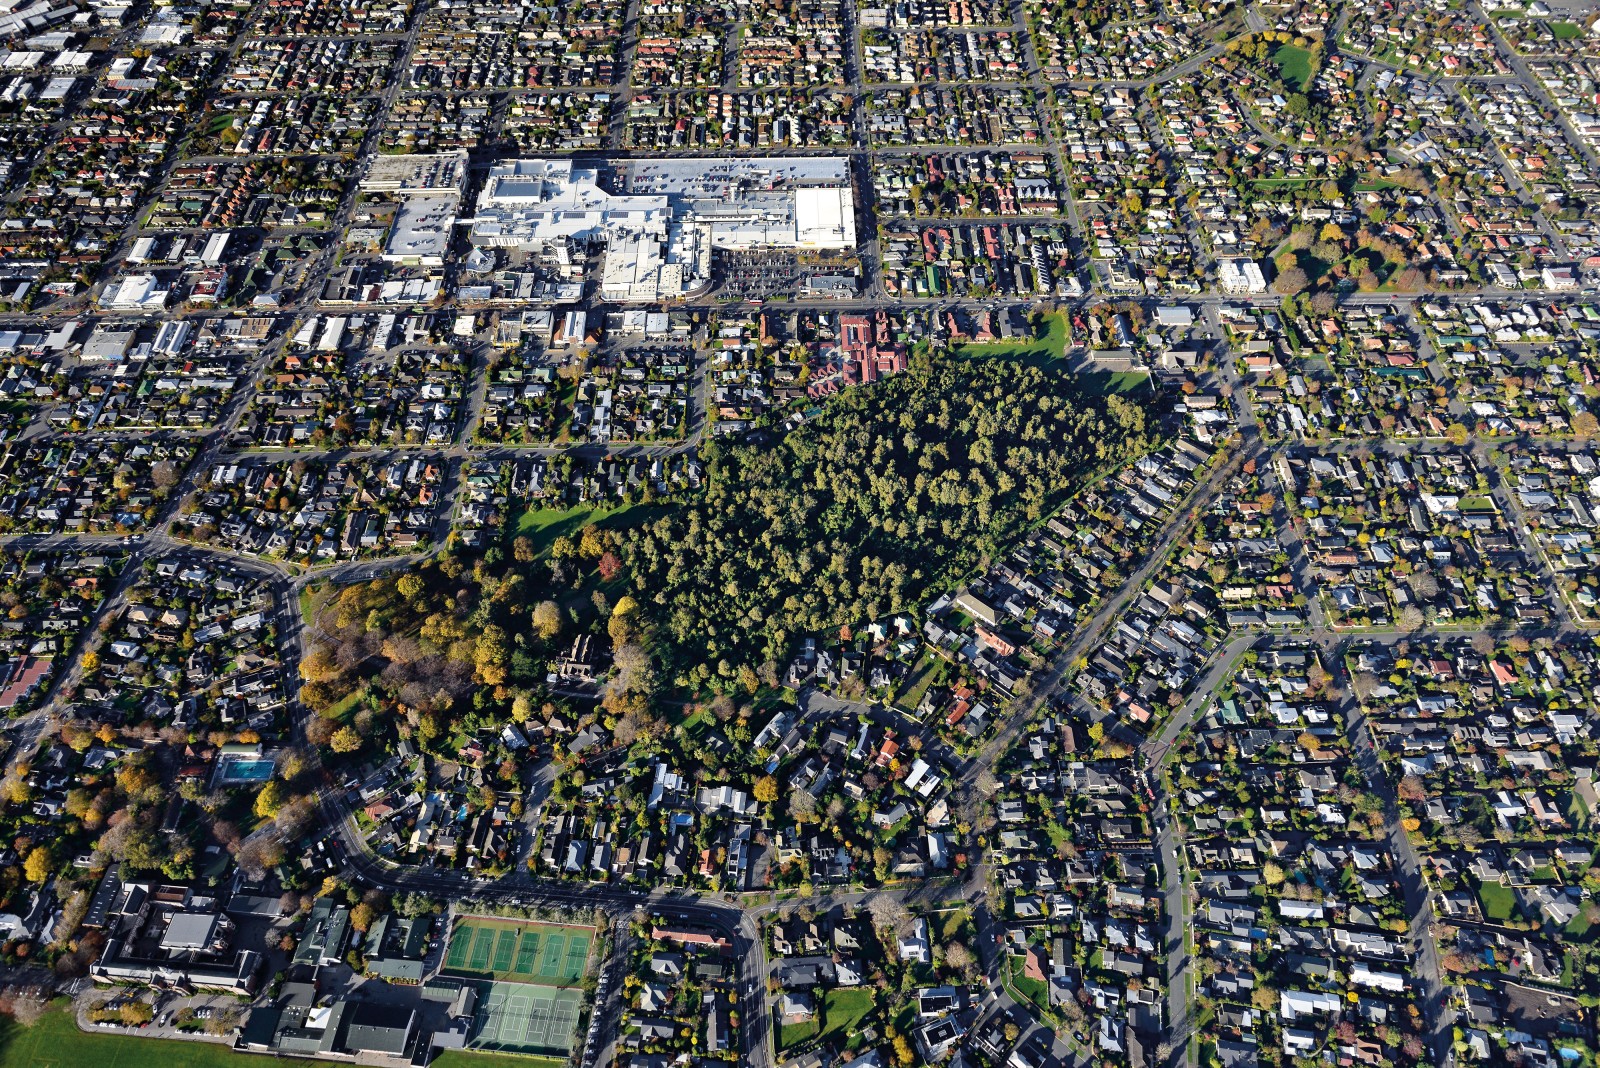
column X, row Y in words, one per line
column 800, row 533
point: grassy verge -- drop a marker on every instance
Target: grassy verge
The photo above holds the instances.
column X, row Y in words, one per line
column 308, row 606
column 456, row 1058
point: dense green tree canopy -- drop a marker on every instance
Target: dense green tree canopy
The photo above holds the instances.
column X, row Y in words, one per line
column 896, row 490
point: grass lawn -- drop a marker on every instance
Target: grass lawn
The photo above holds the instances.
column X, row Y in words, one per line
column 1023, row 987
column 695, row 725
column 790, row 1035
column 843, row 1009
column 466, row 1058
column 342, row 710
column 56, row 1042
column 308, row 606
column 1294, row 64
column 544, row 525
column 1105, row 383
column 1498, row 902
column 1576, row 810
column 1566, row 31
column 1045, row 349
column 917, row 684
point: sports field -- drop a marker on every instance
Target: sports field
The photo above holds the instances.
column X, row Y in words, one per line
column 56, row 1042
column 518, row 951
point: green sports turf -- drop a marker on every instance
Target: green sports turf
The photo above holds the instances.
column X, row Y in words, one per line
column 56, row 1042
column 477, row 1058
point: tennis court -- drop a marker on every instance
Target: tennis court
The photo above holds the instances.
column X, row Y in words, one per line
column 527, row 975
column 504, row 950
column 519, row 951
column 518, row 1018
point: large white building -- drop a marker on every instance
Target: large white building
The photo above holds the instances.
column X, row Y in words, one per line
column 661, row 219
column 135, row 293
column 1241, row 276
column 427, row 190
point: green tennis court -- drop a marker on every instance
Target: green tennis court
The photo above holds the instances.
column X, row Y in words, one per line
column 482, row 946
column 520, row 951
column 505, row 951
column 527, row 953
column 577, row 954
column 456, row 957
column 527, row 975
column 551, row 956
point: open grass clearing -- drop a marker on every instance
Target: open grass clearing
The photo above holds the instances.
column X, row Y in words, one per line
column 1294, row 64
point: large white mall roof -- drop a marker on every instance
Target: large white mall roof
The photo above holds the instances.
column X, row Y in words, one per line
column 740, row 203
column 824, row 217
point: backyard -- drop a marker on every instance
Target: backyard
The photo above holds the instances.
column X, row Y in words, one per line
column 1499, row 902
column 1023, row 987
column 843, row 1010
column 840, row 1015
column 791, row 1035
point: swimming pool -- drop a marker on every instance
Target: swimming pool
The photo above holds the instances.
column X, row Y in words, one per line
column 246, row 769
